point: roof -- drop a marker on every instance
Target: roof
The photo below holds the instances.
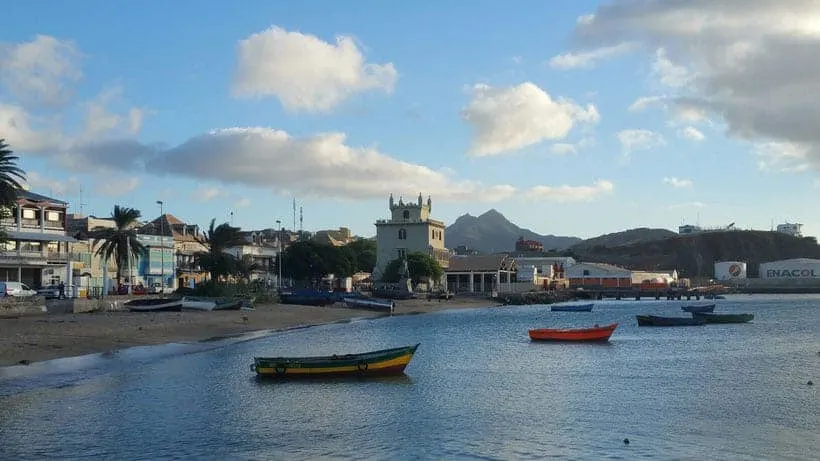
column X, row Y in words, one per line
column 481, row 263
column 31, row 196
column 39, row 236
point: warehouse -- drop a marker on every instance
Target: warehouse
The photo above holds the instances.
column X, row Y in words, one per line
column 598, row 275
column 730, row 270
column 799, row 268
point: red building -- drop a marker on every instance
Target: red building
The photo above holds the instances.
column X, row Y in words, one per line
column 528, row 246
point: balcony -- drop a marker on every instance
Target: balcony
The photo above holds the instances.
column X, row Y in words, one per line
column 33, row 258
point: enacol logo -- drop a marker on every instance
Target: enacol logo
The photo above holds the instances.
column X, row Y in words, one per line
column 804, row 273
column 735, row 270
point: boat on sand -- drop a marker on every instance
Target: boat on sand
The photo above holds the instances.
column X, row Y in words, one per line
column 153, row 304
column 204, row 303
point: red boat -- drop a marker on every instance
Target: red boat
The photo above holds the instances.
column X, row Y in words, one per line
column 596, row 333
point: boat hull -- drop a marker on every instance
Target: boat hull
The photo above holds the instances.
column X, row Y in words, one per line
column 210, row 304
column 154, row 305
column 387, row 362
column 382, row 305
column 723, row 318
column 702, row 308
column 657, row 321
column 576, row 308
column 308, row 297
column 594, row 334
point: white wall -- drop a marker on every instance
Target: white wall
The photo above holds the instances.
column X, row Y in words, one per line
column 791, row 269
column 730, row 270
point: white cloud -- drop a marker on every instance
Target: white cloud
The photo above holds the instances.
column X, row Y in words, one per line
column 632, row 140
column 569, row 194
column 243, row 202
column 783, row 156
column 588, row 59
column 563, row 148
column 117, row 187
column 645, row 101
column 206, row 194
column 691, row 133
column 41, row 71
column 506, row 119
column 677, row 182
column 51, row 186
column 25, row 133
column 708, row 49
column 585, row 19
column 304, row 72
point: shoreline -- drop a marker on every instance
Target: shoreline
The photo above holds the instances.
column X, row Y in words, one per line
column 34, row 338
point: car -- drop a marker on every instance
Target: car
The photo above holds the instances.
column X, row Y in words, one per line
column 18, row 289
column 53, row 291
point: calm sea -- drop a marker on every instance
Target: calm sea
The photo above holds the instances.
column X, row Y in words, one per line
column 476, row 389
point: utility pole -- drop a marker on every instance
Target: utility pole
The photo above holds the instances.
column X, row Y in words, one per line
column 161, row 248
column 279, row 244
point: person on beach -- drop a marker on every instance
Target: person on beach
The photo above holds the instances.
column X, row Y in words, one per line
column 61, row 288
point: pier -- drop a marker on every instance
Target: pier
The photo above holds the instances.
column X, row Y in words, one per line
column 637, row 294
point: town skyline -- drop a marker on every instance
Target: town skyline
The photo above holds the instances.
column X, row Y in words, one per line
column 576, row 119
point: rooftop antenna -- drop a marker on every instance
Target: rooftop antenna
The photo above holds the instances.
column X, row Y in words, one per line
column 294, row 213
column 231, row 218
column 697, row 223
column 772, row 228
column 300, row 219
column 81, row 203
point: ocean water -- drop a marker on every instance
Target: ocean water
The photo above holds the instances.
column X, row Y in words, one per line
column 476, row 389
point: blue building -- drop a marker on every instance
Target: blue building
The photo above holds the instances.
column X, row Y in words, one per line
column 157, row 266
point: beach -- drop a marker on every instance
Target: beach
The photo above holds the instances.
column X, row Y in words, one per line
column 34, row 338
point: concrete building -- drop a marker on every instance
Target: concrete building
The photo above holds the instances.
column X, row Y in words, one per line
column 89, row 270
column 598, row 275
column 337, row 238
column 38, row 250
column 793, row 229
column 188, row 241
column 798, row 268
column 480, row 273
column 409, row 229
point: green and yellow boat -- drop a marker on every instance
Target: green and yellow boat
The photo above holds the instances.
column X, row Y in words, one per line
column 385, row 362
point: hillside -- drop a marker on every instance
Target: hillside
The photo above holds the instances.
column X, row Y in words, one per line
column 627, row 237
column 492, row 232
column 695, row 255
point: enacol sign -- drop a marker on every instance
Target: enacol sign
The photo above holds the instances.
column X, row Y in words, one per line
column 790, row 273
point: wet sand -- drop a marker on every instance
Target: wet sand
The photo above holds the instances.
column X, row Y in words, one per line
column 34, row 338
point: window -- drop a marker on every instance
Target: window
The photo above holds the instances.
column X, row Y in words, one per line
column 406, row 214
column 402, row 234
column 586, row 271
column 29, row 214
column 52, row 216
column 402, row 252
column 8, row 245
column 53, row 247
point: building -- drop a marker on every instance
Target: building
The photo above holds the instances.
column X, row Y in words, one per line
column 37, row 251
column 598, row 275
column 730, row 270
column 157, row 265
column 89, row 270
column 689, row 229
column 480, row 274
column 188, row 241
column 791, row 269
column 261, row 253
column 793, row 229
column 528, row 246
column 337, row 238
column 410, row 229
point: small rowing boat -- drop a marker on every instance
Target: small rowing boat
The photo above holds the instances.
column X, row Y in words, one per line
column 596, row 333
column 698, row 308
column 154, row 304
column 723, row 318
column 360, row 302
column 658, row 321
column 573, row 308
column 376, row 363
column 203, row 303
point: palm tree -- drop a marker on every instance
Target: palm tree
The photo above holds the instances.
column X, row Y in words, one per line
column 120, row 241
column 246, row 266
column 218, row 239
column 10, row 175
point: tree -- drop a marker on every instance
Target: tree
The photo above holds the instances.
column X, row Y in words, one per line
column 419, row 265
column 10, row 177
column 362, row 253
column 245, row 267
column 119, row 242
column 310, row 261
column 218, row 239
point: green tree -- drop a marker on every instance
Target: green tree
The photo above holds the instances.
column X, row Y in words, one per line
column 310, row 261
column 245, row 267
column 119, row 242
column 362, row 253
column 420, row 265
column 218, row 239
column 10, row 177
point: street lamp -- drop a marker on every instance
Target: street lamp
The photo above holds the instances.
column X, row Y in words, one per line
column 279, row 241
column 161, row 248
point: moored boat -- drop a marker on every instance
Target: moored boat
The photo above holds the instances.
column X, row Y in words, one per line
column 573, row 308
column 360, row 302
column 376, row 363
column 205, row 303
column 154, row 304
column 658, row 321
column 596, row 333
column 698, row 308
column 723, row 318
column 308, row 297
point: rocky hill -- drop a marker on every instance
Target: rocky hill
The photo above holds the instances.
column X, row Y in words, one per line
column 695, row 255
column 492, row 233
column 627, row 237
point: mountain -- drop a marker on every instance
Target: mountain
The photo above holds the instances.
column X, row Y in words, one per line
column 627, row 237
column 695, row 255
column 492, row 233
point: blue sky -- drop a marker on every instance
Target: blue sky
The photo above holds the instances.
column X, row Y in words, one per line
column 570, row 118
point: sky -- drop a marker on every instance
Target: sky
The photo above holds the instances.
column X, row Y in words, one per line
column 570, row 118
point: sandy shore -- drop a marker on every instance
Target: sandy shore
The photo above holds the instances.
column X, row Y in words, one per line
column 34, row 338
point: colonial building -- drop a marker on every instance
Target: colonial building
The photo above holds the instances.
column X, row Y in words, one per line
column 261, row 250
column 37, row 249
column 89, row 270
column 410, row 229
column 187, row 240
column 338, row 238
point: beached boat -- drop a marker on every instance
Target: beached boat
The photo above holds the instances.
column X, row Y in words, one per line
column 573, row 308
column 376, row 363
column 308, row 297
column 154, row 304
column 657, row 321
column 699, row 308
column 723, row 318
column 596, row 333
column 360, row 302
column 203, row 303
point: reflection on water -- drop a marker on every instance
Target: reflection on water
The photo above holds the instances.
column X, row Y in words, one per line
column 339, row 380
column 476, row 388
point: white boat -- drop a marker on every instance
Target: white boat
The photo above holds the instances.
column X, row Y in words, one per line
column 153, row 304
column 204, row 303
column 369, row 303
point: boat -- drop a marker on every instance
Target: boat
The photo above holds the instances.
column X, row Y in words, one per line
column 573, row 308
column 698, row 308
column 712, row 296
column 723, row 318
column 657, row 321
column 203, row 303
column 376, row 363
column 361, row 302
column 308, row 297
column 596, row 333
column 154, row 304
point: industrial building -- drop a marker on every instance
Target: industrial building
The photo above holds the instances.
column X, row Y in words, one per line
column 798, row 268
column 730, row 270
column 598, row 275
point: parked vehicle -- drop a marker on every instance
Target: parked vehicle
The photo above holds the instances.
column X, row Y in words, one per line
column 16, row 289
column 137, row 290
column 53, row 291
